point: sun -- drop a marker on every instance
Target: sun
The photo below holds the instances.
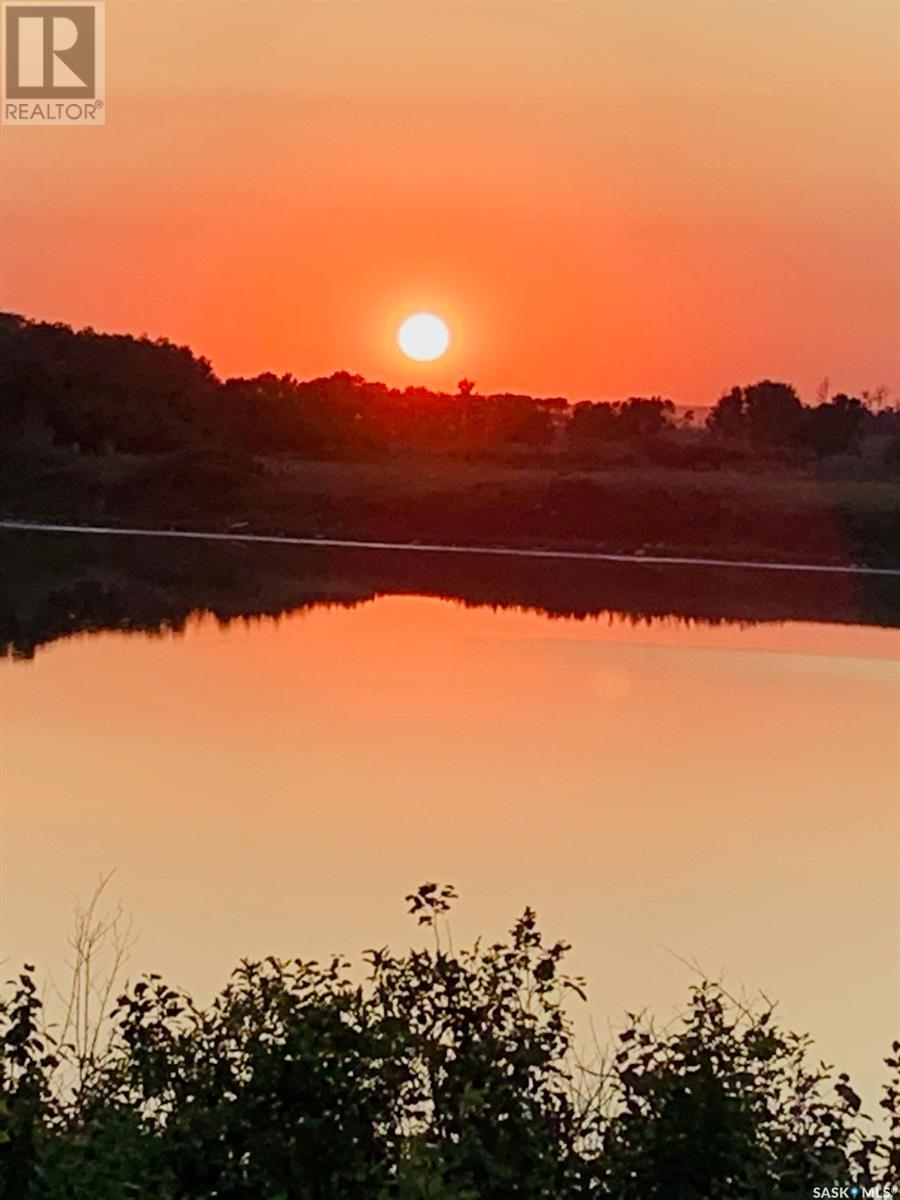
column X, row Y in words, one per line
column 423, row 336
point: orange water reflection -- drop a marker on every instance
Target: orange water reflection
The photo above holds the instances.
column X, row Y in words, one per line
column 726, row 794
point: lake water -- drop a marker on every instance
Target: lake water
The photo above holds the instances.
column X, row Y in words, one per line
column 660, row 790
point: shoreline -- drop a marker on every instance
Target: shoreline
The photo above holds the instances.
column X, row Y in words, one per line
column 636, row 558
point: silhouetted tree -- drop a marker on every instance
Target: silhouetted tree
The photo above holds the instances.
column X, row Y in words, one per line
column 644, row 418
column 728, row 418
column 835, row 427
column 764, row 412
column 592, row 422
column 773, row 412
column 103, row 392
column 633, row 420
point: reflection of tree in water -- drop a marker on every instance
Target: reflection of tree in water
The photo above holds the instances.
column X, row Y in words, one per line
column 57, row 585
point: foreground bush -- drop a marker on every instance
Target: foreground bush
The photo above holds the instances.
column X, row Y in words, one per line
column 448, row 1074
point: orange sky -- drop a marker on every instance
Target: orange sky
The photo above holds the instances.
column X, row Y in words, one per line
column 601, row 198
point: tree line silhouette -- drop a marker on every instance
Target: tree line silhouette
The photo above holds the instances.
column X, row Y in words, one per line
column 118, row 394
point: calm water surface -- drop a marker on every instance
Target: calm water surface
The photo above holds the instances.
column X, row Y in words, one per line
column 657, row 791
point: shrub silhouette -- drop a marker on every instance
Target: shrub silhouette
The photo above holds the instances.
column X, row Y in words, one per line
column 444, row 1074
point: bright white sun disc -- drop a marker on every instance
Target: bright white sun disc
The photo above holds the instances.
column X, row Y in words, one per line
column 423, row 336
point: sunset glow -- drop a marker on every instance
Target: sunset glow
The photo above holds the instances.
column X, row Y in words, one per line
column 712, row 187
